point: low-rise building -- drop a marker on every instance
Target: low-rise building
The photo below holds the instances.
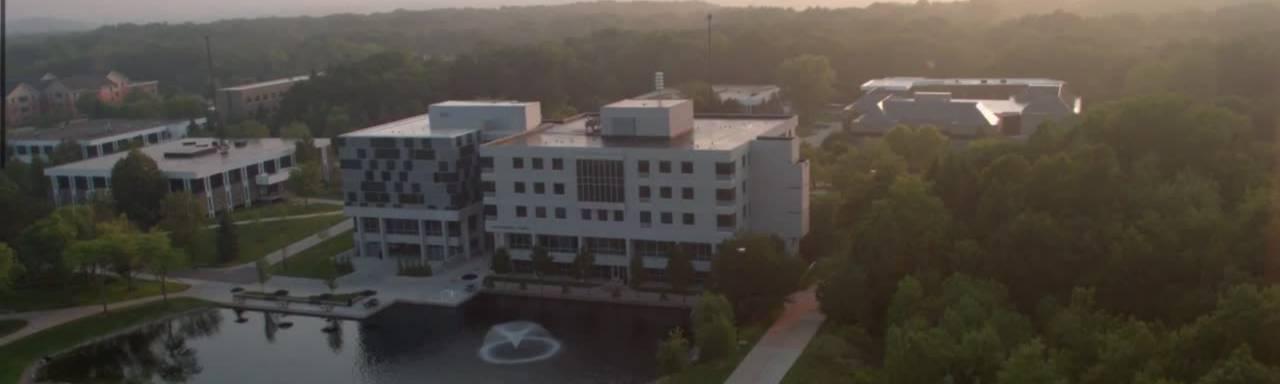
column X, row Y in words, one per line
column 97, row 137
column 226, row 175
column 54, row 98
column 244, row 101
column 641, row 178
column 747, row 96
column 963, row 108
column 412, row 186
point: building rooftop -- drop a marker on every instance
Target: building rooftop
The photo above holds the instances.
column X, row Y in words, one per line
column 83, row 130
column 746, row 89
column 268, row 83
column 479, row 103
column 416, row 126
column 710, row 132
column 907, row 83
column 646, row 103
column 192, row 157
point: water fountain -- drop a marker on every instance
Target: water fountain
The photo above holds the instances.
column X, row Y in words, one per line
column 518, row 342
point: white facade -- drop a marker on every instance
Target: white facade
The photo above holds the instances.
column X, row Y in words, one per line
column 565, row 187
column 496, row 119
column 97, row 137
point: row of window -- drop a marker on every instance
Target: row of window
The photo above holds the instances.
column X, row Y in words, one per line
column 615, row 215
column 613, row 246
column 557, row 164
column 414, row 227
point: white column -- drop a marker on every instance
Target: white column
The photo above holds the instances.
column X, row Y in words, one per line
column 208, row 196
column 382, row 234
column 422, row 240
column 53, row 182
column 359, row 234
column 444, row 225
column 248, row 187
column 226, row 187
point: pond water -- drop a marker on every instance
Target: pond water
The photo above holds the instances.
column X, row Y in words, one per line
column 489, row 340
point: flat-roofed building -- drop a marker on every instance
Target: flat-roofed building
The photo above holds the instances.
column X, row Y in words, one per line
column 641, row 178
column 97, row 137
column 238, row 173
column 963, row 108
column 244, row 101
column 412, row 186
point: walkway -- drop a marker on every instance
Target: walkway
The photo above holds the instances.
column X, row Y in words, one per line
column 247, row 274
column 779, row 348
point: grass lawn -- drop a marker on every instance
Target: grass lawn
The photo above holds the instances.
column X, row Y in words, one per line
column 717, row 371
column 316, row 262
column 11, row 326
column 257, row 240
column 290, row 208
column 81, row 292
column 19, row 354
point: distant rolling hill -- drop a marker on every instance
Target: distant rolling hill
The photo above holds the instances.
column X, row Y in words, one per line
column 41, row 25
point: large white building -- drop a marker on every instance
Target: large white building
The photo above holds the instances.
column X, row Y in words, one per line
column 412, row 186
column 225, row 175
column 642, row 177
column 963, row 108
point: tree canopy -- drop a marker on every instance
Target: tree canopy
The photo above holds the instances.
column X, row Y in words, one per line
column 138, row 187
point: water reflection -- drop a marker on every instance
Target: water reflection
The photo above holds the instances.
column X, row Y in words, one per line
column 402, row 344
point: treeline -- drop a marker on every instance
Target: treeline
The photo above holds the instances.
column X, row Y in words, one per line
column 577, row 57
column 1126, row 248
column 248, row 50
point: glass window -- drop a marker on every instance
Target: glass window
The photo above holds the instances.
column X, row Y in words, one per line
column 601, row 181
column 517, row 162
column 539, row 188
column 557, row 164
column 540, row 212
column 686, row 193
column 537, row 163
column 644, row 192
column 664, row 166
column 646, row 217
column 665, row 192
column 727, row 221
column 586, row 214
column 558, row 188
column 521, row 211
column 688, row 219
column 519, row 187
column 686, row 167
column 666, row 217
column 642, row 166
column 519, row 241
column 602, row 215
column 618, row 216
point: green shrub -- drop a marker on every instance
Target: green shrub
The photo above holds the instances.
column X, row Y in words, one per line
column 673, row 353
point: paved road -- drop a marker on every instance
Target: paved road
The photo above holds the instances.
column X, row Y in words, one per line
column 779, row 348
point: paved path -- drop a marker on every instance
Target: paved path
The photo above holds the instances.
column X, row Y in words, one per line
column 246, row 273
column 280, row 218
column 779, row 348
column 818, row 137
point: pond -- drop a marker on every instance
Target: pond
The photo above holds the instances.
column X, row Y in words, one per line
column 491, row 339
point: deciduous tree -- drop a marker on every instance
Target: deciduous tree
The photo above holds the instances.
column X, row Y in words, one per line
column 138, row 187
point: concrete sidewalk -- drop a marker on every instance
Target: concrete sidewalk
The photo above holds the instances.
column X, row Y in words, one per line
column 779, row 348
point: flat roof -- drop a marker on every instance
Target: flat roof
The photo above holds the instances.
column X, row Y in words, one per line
column 479, row 103
column 646, row 103
column 254, row 151
column 85, row 130
column 906, row 83
column 712, row 132
column 268, row 83
column 745, row 88
column 416, row 126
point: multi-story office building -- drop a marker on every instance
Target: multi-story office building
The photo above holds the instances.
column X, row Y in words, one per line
column 235, row 174
column 412, row 186
column 242, row 101
column 97, row 137
column 54, row 98
column 963, row 108
column 641, row 178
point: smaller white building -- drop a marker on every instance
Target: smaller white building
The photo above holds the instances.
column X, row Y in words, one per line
column 97, row 137
column 746, row 95
column 227, row 175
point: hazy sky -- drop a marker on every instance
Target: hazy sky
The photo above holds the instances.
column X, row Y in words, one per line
column 114, row 11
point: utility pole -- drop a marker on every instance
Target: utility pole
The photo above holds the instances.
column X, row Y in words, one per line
column 708, row 69
column 4, row 71
column 213, row 94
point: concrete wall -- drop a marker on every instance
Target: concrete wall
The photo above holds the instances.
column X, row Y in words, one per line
column 494, row 120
